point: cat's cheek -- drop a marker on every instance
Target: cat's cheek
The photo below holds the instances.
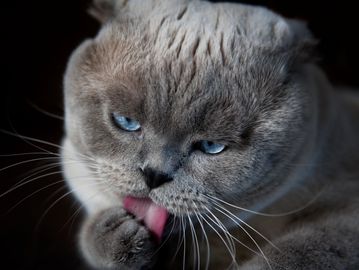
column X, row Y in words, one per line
column 212, row 171
column 80, row 179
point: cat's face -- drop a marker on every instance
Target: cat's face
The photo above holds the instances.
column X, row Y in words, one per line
column 213, row 110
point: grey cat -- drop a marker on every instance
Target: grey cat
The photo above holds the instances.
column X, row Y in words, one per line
column 202, row 135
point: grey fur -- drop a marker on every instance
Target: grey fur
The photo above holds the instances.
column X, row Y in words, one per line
column 114, row 240
column 236, row 74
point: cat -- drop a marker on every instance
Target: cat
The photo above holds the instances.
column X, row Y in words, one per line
column 204, row 136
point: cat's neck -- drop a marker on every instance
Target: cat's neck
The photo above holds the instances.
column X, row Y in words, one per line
column 328, row 160
column 319, row 163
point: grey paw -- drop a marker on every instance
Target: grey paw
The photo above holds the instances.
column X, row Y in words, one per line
column 115, row 240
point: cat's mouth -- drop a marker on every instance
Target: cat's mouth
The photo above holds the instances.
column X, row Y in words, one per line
column 153, row 216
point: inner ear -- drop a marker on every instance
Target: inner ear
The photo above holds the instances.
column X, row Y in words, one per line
column 102, row 10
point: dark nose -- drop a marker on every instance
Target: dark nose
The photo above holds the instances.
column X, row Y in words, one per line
column 154, row 178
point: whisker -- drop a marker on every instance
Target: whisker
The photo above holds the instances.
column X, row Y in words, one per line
column 75, row 214
column 266, row 214
column 193, row 245
column 164, row 242
column 58, row 200
column 251, row 237
column 33, row 194
column 27, row 139
column 17, row 135
column 27, row 182
column 227, row 234
column 42, row 169
column 29, row 153
column 23, row 183
column 197, row 257
column 199, row 217
column 179, row 241
column 39, row 190
column 184, row 243
column 220, row 236
column 25, row 162
column 52, row 115
column 245, row 223
column 52, row 195
column 34, row 172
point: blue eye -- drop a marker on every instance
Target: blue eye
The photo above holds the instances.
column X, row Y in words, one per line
column 209, row 147
column 126, row 123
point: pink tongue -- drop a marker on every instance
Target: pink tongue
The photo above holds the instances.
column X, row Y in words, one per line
column 153, row 215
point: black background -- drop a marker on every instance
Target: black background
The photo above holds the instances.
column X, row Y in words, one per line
column 36, row 40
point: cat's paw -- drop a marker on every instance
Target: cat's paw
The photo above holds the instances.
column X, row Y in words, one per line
column 113, row 239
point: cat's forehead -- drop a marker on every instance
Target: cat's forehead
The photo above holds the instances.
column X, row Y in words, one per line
column 164, row 18
column 189, row 59
column 186, row 29
column 192, row 101
column 187, row 42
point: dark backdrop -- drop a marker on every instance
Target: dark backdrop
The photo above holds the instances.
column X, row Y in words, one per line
column 37, row 38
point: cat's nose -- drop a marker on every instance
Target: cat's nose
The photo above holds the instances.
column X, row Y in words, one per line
column 154, row 178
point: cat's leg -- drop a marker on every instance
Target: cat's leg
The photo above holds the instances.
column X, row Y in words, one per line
column 333, row 244
column 112, row 239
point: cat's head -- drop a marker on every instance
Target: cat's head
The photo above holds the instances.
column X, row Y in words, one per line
column 186, row 101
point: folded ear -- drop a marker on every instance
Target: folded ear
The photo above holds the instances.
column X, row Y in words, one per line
column 276, row 34
column 298, row 39
column 103, row 10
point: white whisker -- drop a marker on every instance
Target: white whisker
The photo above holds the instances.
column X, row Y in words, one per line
column 184, row 243
column 241, row 221
column 52, row 115
column 30, row 154
column 164, row 242
column 27, row 182
column 243, row 244
column 224, row 229
column 220, row 236
column 73, row 216
column 41, row 169
column 266, row 214
column 33, row 194
column 250, row 236
column 25, row 162
column 193, row 249
column 27, row 139
column 197, row 258
column 199, row 217
column 62, row 197
column 179, row 241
